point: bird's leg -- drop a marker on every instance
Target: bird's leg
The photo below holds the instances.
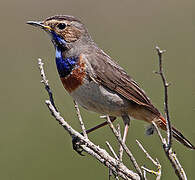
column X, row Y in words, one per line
column 76, row 141
column 126, row 120
column 112, row 118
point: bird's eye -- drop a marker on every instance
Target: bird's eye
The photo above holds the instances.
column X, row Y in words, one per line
column 61, row 26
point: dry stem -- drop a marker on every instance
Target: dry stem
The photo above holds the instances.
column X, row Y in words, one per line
column 179, row 171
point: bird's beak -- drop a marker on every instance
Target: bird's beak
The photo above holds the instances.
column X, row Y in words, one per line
column 39, row 24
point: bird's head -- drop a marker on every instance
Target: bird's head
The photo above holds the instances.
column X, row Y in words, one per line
column 64, row 30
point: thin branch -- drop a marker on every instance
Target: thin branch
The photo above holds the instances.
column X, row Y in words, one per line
column 112, row 150
column 133, row 160
column 176, row 165
column 144, row 174
column 80, row 119
column 116, row 157
column 45, row 82
column 163, row 140
column 179, row 171
column 156, row 163
column 109, row 174
column 120, row 146
column 165, row 84
column 167, row 144
column 152, row 172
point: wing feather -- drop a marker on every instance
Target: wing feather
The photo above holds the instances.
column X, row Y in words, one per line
column 111, row 75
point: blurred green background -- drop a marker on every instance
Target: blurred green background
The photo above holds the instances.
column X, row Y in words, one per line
column 32, row 144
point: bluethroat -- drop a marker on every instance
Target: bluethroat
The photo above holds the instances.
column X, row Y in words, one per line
column 94, row 80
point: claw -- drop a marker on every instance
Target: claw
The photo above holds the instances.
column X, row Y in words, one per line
column 76, row 142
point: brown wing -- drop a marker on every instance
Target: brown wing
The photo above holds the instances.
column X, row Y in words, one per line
column 112, row 76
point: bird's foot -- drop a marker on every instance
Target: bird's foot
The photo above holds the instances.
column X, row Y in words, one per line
column 76, row 144
column 150, row 129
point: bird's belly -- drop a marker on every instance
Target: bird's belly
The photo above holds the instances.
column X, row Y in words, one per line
column 97, row 98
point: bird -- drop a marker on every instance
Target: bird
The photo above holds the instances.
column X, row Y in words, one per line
column 95, row 80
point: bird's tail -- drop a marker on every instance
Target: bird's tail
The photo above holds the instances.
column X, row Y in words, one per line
column 176, row 134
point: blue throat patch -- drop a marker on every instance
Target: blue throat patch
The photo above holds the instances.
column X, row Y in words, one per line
column 59, row 40
column 66, row 65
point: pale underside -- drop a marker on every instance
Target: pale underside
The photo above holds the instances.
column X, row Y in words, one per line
column 94, row 97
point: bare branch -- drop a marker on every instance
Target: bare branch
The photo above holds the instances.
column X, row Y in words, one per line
column 165, row 84
column 109, row 174
column 45, row 82
column 144, row 174
column 133, row 160
column 116, row 157
column 176, row 165
column 80, row 119
column 163, row 140
column 120, row 146
column 179, row 171
column 156, row 163
column 112, row 150
column 152, row 172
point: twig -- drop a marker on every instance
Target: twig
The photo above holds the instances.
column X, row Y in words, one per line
column 156, row 163
column 179, row 171
column 165, row 84
column 116, row 157
column 112, row 150
column 133, row 160
column 80, row 119
column 144, row 174
column 120, row 146
column 45, row 82
column 176, row 165
column 163, row 140
column 152, row 172
column 109, row 174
